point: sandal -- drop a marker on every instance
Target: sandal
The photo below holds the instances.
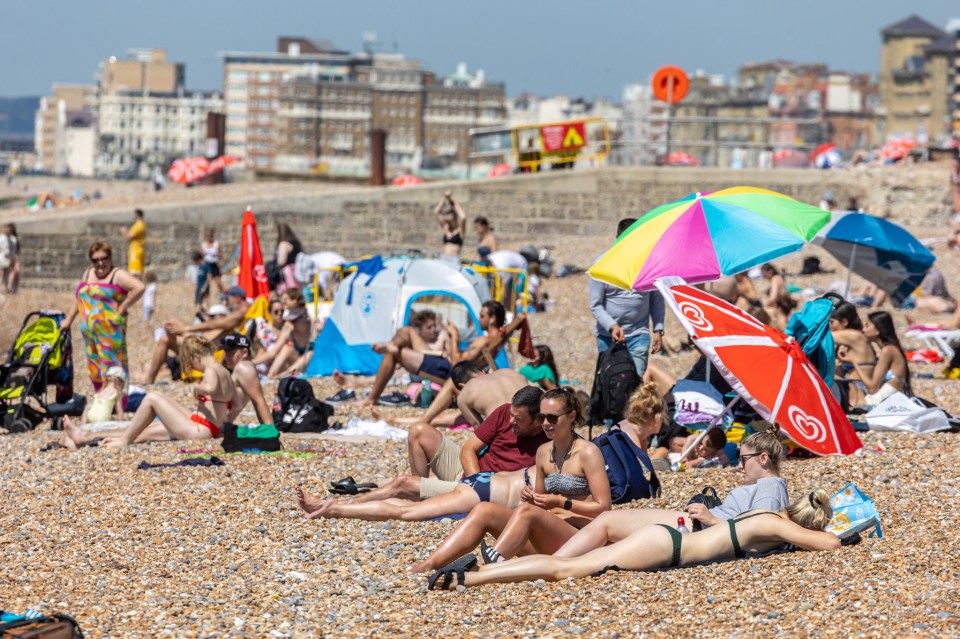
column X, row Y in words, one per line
column 455, row 568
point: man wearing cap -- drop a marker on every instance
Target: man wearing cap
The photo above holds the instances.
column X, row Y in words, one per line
column 236, row 359
column 214, row 328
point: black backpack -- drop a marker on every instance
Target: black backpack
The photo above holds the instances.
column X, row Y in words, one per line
column 297, row 410
column 627, row 467
column 615, row 380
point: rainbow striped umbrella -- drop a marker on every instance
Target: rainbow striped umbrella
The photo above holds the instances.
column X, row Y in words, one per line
column 708, row 235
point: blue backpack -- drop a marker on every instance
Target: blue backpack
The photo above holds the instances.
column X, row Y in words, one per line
column 626, row 467
column 811, row 328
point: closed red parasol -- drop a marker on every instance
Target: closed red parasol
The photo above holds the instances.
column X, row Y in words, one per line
column 764, row 367
column 253, row 275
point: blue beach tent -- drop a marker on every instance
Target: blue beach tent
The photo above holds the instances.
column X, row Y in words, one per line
column 379, row 297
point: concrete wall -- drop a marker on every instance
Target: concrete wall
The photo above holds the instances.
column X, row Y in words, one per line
column 528, row 208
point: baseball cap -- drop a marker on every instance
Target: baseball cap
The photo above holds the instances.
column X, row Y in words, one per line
column 484, row 251
column 218, row 309
column 233, row 341
column 236, row 291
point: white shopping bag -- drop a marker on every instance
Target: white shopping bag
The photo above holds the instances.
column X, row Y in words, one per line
column 901, row 413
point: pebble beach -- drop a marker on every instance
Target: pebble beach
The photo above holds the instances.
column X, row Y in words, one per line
column 224, row 551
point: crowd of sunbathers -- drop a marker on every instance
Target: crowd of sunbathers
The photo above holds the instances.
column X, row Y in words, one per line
column 524, row 476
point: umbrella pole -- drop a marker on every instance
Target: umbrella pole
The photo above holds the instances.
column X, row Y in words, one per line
column 853, row 256
column 675, row 466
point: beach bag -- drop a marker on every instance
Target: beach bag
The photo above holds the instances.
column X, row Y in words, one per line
column 696, row 402
column 627, row 467
column 899, row 413
column 56, row 626
column 253, row 438
column 297, row 410
column 811, row 266
column 853, row 512
column 615, row 380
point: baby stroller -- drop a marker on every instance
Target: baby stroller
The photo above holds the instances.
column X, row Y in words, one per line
column 41, row 355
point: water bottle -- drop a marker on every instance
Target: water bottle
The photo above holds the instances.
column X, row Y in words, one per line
column 682, row 526
column 713, row 462
column 426, row 393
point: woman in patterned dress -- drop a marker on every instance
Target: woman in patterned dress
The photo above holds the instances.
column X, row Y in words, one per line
column 103, row 297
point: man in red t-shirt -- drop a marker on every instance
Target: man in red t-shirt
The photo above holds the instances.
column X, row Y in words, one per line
column 506, row 440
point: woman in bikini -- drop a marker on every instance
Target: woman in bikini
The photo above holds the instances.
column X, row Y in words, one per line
column 661, row 546
column 294, row 339
column 453, row 221
column 847, row 331
column 214, row 394
column 488, row 240
column 890, row 372
column 571, row 489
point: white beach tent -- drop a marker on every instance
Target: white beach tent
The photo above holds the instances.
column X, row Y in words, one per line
column 379, row 297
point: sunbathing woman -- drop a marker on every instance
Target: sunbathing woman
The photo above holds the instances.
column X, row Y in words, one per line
column 847, row 331
column 571, row 489
column 762, row 488
column 662, row 546
column 214, row 395
column 502, row 490
column 891, row 372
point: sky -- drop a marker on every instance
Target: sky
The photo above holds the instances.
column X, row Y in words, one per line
column 588, row 48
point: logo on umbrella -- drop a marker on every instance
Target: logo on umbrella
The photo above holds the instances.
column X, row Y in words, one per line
column 810, row 427
column 260, row 273
column 694, row 315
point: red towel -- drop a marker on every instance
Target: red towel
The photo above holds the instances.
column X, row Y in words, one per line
column 525, row 347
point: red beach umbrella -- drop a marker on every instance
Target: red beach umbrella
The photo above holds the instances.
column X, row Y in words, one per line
column 499, row 170
column 681, row 158
column 896, row 149
column 765, row 367
column 789, row 158
column 186, row 170
column 253, row 275
column 407, row 180
column 217, row 164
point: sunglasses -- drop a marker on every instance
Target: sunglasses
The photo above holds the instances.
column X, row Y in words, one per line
column 553, row 419
column 99, row 260
column 744, row 458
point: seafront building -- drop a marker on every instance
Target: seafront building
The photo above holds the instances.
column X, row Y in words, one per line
column 310, row 107
column 136, row 118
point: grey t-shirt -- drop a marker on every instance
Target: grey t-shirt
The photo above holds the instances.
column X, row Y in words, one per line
column 769, row 493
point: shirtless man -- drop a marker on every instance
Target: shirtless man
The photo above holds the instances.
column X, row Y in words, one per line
column 421, row 348
column 236, row 359
column 236, row 300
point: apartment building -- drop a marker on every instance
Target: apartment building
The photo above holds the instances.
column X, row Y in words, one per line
column 70, row 107
column 252, row 89
column 915, row 65
column 138, row 131
column 324, row 119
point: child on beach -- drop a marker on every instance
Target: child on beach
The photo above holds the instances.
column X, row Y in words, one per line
column 711, row 446
column 149, row 295
column 106, row 405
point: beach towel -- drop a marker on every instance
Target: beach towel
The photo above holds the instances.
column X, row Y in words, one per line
column 369, row 428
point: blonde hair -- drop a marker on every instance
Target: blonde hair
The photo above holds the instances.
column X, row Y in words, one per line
column 192, row 348
column 767, row 441
column 645, row 405
column 811, row 510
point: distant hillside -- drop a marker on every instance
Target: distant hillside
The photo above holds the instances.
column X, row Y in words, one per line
column 17, row 114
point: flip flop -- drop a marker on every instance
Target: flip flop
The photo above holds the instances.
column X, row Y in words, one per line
column 345, row 488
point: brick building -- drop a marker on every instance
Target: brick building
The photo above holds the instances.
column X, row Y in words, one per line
column 915, row 66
